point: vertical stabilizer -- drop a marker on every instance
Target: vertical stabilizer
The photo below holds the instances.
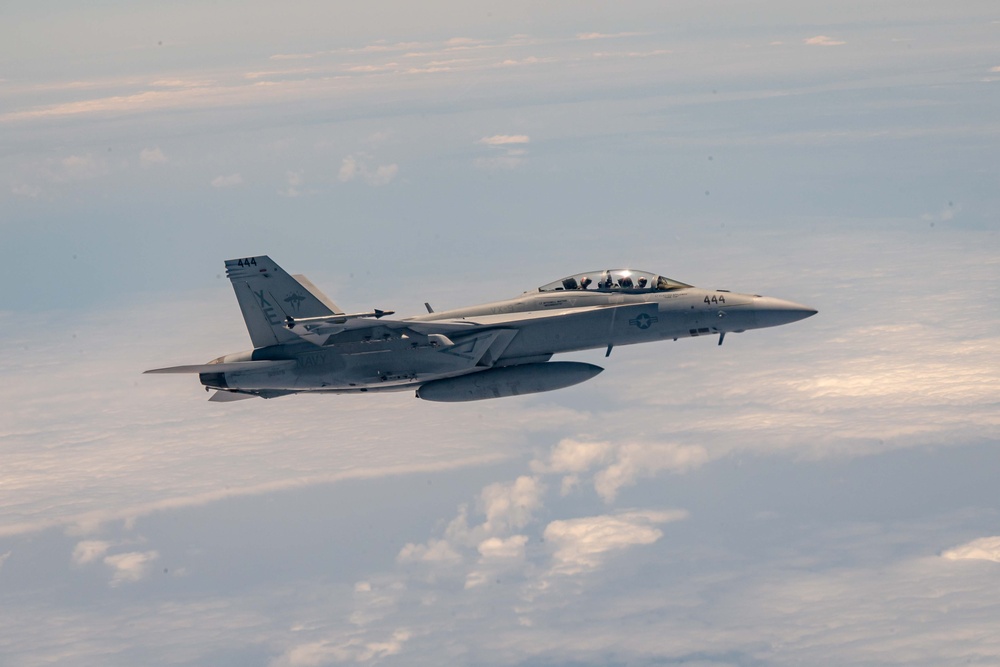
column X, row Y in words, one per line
column 266, row 294
column 324, row 299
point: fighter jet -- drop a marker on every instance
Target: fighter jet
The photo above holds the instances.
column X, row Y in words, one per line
column 304, row 343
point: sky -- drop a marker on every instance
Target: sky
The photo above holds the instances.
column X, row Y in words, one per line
column 819, row 493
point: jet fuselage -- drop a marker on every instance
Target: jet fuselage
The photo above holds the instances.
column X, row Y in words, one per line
column 325, row 350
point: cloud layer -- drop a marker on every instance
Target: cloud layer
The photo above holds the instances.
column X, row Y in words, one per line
column 811, row 494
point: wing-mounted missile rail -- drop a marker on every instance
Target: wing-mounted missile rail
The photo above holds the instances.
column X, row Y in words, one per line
column 320, row 329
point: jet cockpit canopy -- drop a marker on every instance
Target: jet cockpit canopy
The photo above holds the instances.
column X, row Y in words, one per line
column 614, row 280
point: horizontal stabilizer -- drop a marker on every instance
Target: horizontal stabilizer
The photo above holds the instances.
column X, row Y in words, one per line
column 231, row 367
column 229, row 396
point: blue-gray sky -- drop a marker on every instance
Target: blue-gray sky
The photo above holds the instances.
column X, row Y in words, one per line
column 818, row 493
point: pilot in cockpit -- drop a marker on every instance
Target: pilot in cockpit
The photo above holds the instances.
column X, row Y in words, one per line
column 625, row 282
column 585, row 282
column 642, row 282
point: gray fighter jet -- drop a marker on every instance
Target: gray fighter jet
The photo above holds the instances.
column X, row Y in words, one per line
column 304, row 343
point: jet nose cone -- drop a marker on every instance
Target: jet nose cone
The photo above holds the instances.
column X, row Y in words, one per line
column 771, row 312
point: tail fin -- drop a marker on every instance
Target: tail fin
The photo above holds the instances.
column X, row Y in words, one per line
column 266, row 294
column 324, row 299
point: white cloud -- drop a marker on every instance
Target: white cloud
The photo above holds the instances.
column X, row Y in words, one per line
column 505, row 139
column 4, row 556
column 645, row 460
column 376, row 599
column 503, row 549
column 496, row 556
column 229, row 181
column 131, row 566
column 529, row 60
column 181, row 83
column 431, row 69
column 87, row 551
column 626, row 463
column 510, row 505
column 348, row 169
column 352, row 167
column 577, row 545
column 574, row 456
column 150, row 156
column 984, row 548
column 583, row 544
column 512, row 154
column 434, row 552
column 143, row 100
column 506, row 507
column 822, row 40
column 315, row 654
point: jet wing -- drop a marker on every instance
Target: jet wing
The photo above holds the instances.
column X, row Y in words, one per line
column 324, row 334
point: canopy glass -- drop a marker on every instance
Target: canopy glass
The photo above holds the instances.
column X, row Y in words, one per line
column 614, row 280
